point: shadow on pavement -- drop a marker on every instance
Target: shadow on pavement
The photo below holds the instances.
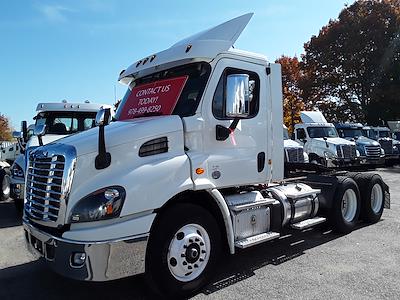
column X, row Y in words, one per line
column 8, row 215
column 34, row 280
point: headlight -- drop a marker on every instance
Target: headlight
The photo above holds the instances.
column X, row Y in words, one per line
column 17, row 171
column 358, row 153
column 329, row 155
column 102, row 204
column 382, row 151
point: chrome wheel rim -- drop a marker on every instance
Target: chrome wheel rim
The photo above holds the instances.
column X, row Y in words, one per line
column 5, row 185
column 376, row 198
column 349, row 205
column 188, row 252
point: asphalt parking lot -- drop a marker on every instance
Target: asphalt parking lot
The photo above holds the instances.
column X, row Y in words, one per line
column 312, row 264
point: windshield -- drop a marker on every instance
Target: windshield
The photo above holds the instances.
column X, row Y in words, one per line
column 320, row 132
column 60, row 122
column 175, row 91
column 384, row 134
column 285, row 133
column 351, row 132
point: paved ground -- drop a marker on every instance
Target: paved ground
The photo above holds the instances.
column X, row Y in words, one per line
column 313, row 264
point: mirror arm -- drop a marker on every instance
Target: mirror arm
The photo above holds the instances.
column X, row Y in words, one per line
column 103, row 158
column 222, row 133
column 40, row 140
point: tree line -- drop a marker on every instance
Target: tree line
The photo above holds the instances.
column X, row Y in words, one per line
column 350, row 71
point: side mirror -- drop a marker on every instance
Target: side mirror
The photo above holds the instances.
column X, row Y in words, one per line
column 17, row 134
column 39, row 130
column 103, row 117
column 237, row 96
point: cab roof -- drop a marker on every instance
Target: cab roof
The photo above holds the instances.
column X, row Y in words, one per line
column 349, row 125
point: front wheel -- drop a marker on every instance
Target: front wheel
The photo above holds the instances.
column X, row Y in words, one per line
column 5, row 185
column 346, row 207
column 182, row 251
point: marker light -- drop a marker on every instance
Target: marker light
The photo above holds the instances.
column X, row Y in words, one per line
column 199, row 171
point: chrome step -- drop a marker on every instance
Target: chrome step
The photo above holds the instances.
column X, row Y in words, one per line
column 308, row 223
column 263, row 202
column 257, row 239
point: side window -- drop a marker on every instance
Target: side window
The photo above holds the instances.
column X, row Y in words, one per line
column 218, row 104
column 301, row 134
column 88, row 123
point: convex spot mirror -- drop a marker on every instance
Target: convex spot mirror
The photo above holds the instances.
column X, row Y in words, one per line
column 39, row 130
column 237, row 96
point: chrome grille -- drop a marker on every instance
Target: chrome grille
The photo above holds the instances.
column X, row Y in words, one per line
column 44, row 187
column 373, row 151
column 347, row 151
column 387, row 146
column 295, row 155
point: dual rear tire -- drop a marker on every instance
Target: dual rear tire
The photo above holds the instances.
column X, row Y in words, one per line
column 357, row 196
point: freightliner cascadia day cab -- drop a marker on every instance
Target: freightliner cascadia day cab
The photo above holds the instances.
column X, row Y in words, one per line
column 390, row 146
column 370, row 150
column 54, row 121
column 191, row 166
column 8, row 152
column 322, row 143
column 294, row 152
column 394, row 129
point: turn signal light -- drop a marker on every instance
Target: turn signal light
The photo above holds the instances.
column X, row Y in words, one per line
column 199, row 171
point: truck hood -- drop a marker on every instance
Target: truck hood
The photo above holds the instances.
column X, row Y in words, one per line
column 123, row 132
column 335, row 141
column 291, row 144
column 47, row 139
column 364, row 141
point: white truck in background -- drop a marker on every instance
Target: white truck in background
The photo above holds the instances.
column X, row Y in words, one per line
column 293, row 152
column 53, row 121
column 8, row 153
column 191, row 166
column 322, row 143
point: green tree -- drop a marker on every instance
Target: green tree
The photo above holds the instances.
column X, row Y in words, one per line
column 5, row 129
column 292, row 94
column 352, row 66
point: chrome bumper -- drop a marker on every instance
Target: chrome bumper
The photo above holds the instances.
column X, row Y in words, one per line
column 106, row 260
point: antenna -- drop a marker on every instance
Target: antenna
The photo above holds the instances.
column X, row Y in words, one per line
column 115, row 94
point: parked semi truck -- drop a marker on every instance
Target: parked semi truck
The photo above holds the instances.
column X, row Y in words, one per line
column 190, row 167
column 370, row 151
column 56, row 121
column 322, row 142
column 390, row 146
column 8, row 152
column 394, row 129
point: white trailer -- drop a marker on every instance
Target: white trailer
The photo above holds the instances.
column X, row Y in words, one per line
column 191, row 166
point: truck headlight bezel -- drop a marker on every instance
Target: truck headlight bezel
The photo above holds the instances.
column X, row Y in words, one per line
column 103, row 204
column 16, row 171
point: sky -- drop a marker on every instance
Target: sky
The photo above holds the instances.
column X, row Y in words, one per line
column 75, row 50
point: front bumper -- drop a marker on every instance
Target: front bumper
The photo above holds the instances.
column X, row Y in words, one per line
column 105, row 260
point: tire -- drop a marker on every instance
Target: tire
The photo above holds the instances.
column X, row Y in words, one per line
column 186, row 238
column 5, row 184
column 346, row 206
column 372, row 194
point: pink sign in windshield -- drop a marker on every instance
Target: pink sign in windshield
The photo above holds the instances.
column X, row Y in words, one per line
column 158, row 98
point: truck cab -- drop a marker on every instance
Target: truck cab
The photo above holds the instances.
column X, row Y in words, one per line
column 390, row 146
column 58, row 120
column 322, row 143
column 370, row 150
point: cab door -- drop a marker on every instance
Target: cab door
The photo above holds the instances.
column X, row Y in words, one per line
column 241, row 158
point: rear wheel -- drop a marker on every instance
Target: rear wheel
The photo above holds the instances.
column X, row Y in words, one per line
column 373, row 196
column 5, row 184
column 182, row 251
column 346, row 207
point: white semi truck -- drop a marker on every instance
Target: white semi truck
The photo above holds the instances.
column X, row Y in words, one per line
column 322, row 143
column 8, row 152
column 56, row 120
column 191, row 166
